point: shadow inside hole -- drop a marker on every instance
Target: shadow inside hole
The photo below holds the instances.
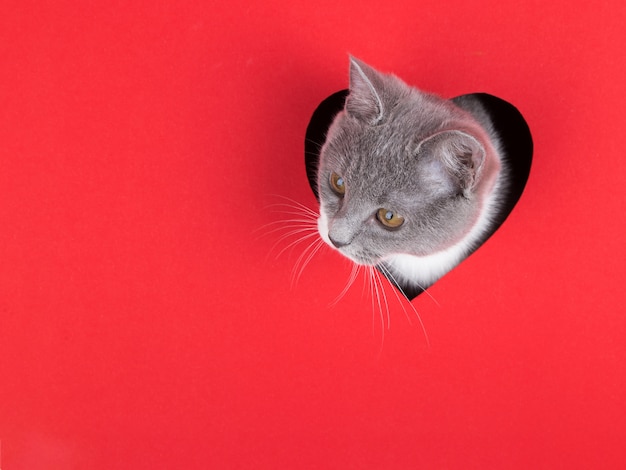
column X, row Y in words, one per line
column 511, row 127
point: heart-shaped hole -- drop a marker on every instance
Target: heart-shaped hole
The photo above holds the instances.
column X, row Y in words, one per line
column 515, row 141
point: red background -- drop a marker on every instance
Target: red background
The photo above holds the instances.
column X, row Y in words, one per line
column 142, row 322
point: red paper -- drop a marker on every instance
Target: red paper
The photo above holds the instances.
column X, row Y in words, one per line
column 146, row 319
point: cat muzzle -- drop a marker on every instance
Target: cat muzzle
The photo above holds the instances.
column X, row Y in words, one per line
column 338, row 243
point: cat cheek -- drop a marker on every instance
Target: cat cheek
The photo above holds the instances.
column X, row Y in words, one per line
column 322, row 226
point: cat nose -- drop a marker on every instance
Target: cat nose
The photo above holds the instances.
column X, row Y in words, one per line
column 337, row 243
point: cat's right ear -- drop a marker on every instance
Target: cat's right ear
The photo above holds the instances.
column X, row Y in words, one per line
column 364, row 101
column 460, row 155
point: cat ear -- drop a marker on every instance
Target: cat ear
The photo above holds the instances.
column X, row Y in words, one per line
column 364, row 102
column 460, row 155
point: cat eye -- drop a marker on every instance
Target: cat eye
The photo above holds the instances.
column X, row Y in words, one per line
column 337, row 183
column 389, row 218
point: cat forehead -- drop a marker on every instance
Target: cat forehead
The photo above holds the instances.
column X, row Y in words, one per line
column 379, row 176
column 410, row 119
column 364, row 151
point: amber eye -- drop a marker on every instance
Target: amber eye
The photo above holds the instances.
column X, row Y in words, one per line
column 389, row 218
column 337, row 183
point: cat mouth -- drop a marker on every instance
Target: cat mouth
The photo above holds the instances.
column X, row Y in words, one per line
column 359, row 259
column 357, row 256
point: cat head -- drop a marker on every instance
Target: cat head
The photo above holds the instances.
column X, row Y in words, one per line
column 401, row 171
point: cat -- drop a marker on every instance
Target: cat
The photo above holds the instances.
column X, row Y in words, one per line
column 410, row 183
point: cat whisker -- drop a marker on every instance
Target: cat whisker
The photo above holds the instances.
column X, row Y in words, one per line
column 370, row 284
column 425, row 291
column 295, row 205
column 285, row 225
column 294, row 270
column 303, row 216
column 377, row 295
column 356, row 268
column 364, row 287
column 387, row 273
column 289, row 228
column 393, row 280
column 300, row 226
column 299, row 240
column 302, row 262
column 384, row 295
column 290, row 210
column 293, row 226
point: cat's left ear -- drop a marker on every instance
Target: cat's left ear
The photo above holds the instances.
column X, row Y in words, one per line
column 363, row 101
column 460, row 154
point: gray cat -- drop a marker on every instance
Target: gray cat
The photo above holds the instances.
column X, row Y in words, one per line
column 410, row 183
